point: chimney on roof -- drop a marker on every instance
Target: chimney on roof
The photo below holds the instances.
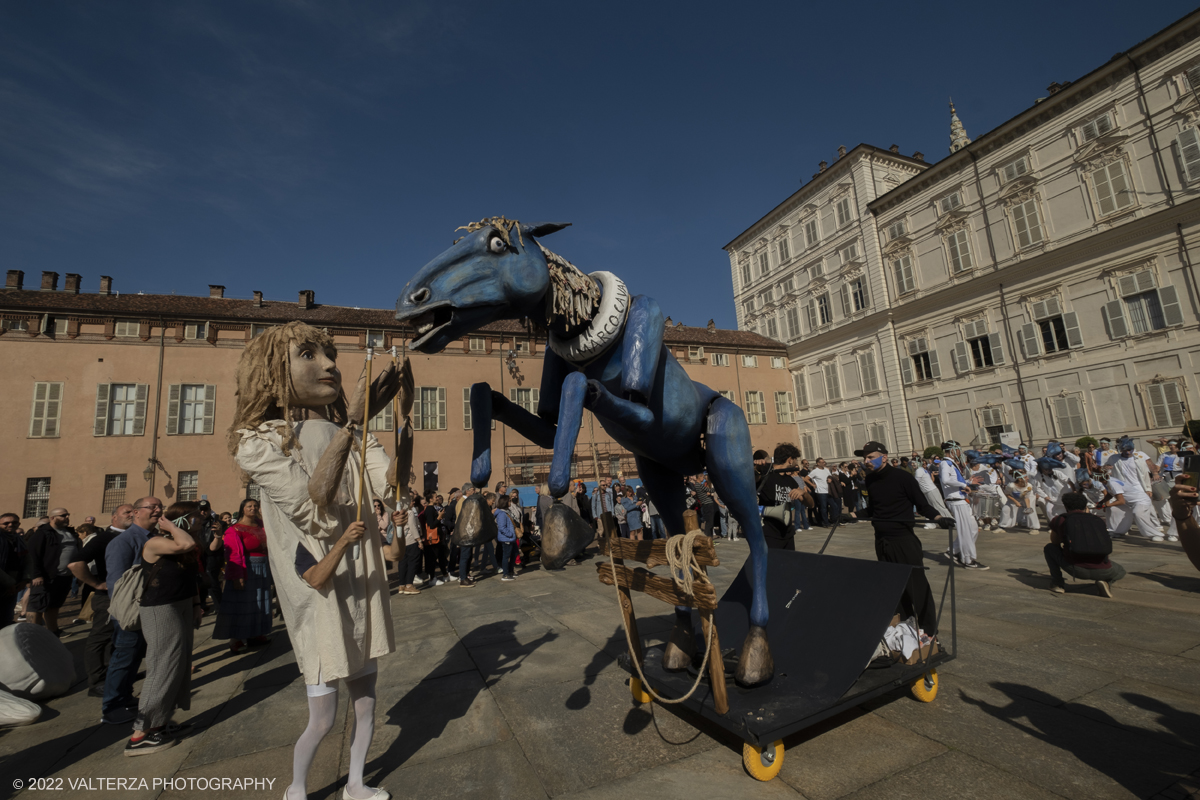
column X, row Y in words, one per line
column 16, row 279
column 895, row 149
column 216, row 291
column 307, row 298
column 258, row 299
column 824, row 165
column 712, row 326
column 72, row 283
column 919, row 156
column 105, row 284
column 49, row 281
column 1055, row 88
column 841, row 151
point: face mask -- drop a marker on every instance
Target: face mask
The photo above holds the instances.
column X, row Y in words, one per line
column 877, row 463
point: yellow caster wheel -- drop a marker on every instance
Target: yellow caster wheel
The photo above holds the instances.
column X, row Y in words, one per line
column 640, row 695
column 763, row 763
column 925, row 688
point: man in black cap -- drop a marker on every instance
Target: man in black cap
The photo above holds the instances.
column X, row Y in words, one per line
column 777, row 491
column 892, row 493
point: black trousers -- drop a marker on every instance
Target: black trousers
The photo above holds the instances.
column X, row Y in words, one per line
column 777, row 536
column 435, row 558
column 917, row 599
column 708, row 518
column 214, row 572
column 410, row 564
column 98, row 648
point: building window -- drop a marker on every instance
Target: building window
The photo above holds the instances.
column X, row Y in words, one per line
column 1095, row 128
column 921, row 364
column 981, row 352
column 375, row 339
column 841, row 443
column 763, row 264
column 127, row 329
column 719, row 359
column 695, row 353
column 195, row 330
column 812, row 233
column 1164, row 404
column 383, row 421
column 37, row 497
column 1112, row 188
column 258, row 330
column 1051, row 330
column 807, row 450
column 60, row 326
column 833, row 385
column 747, row 307
column 817, row 269
column 896, row 230
column 756, row 408
column 766, row 298
column 253, row 491
column 114, row 492
column 1027, row 223
column 121, row 409
column 784, row 413
column 849, row 254
column 992, row 419
column 902, row 268
column 1142, row 307
column 931, row 431
column 853, row 296
column 191, row 408
column 843, row 211
column 525, row 398
column 1189, row 151
column 1015, row 169
column 801, row 385
column 792, row 319
column 750, row 361
column 866, row 368
column 475, row 344
column 189, row 487
column 467, row 410
column 429, row 409
column 772, row 327
column 877, row 432
column 948, row 204
column 784, row 255
column 47, row 409
column 959, row 244
column 978, row 349
column 786, row 288
column 727, row 395
column 822, row 309
column 1068, row 415
column 745, row 273
column 778, row 362
column 15, row 324
column 523, row 347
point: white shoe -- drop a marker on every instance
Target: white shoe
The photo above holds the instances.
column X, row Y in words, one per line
column 1172, row 538
column 439, row 582
column 380, row 794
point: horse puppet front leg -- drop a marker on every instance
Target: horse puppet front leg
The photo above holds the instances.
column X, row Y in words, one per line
column 487, row 405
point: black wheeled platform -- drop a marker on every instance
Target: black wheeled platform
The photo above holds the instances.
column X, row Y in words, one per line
column 828, row 615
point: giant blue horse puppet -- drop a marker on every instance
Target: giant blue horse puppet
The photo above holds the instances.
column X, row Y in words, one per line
column 606, row 354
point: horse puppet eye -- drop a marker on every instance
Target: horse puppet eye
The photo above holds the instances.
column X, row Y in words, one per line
column 496, row 245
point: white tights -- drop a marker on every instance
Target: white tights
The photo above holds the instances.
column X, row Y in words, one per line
column 321, row 713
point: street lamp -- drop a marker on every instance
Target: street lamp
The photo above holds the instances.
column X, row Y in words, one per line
column 148, row 472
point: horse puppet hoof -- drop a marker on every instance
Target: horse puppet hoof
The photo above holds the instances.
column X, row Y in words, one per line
column 564, row 535
column 677, row 655
column 755, row 665
column 475, row 524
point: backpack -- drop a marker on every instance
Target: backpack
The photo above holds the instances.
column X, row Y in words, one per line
column 125, row 599
column 1086, row 535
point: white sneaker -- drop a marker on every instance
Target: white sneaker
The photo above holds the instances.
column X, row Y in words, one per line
column 1172, row 538
column 438, row 582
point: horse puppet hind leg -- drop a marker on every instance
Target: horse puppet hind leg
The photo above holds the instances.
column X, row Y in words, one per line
column 487, row 405
column 727, row 456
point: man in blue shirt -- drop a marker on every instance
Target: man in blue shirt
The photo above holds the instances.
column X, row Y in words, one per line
column 123, row 552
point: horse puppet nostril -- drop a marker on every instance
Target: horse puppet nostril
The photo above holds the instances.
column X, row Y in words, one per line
column 419, row 296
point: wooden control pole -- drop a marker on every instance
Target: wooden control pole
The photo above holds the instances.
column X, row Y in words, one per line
column 362, row 460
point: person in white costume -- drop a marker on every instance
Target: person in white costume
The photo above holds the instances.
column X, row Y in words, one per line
column 987, row 486
column 955, row 491
column 1018, row 508
column 1133, row 469
column 929, row 489
column 298, row 439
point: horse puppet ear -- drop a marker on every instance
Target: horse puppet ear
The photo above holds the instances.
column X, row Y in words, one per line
column 540, row 229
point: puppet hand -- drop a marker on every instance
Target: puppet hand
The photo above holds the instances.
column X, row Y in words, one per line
column 383, row 389
column 1183, row 499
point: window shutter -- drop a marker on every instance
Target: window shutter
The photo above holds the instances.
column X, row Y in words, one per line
column 101, row 423
column 934, row 369
column 416, row 410
column 997, row 348
column 961, row 362
column 210, row 406
column 537, row 400
column 466, row 409
column 52, row 409
column 1168, row 298
column 1174, row 403
column 512, row 396
column 1157, row 404
column 810, row 311
column 38, row 418
column 1060, row 414
column 1071, row 323
column 845, row 295
column 1114, row 318
column 441, row 412
column 1127, row 285
column 139, row 410
column 801, row 390
column 173, row 409
column 1040, row 310
column 906, row 373
column 1189, row 153
column 1029, row 340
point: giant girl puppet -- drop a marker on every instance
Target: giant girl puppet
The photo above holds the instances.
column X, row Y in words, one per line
column 299, row 440
column 606, row 354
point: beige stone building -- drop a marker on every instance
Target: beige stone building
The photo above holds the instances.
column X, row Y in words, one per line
column 102, row 386
column 1039, row 280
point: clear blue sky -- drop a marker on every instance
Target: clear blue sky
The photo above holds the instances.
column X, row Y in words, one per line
column 282, row 146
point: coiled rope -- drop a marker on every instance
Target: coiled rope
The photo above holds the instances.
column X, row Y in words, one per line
column 685, row 571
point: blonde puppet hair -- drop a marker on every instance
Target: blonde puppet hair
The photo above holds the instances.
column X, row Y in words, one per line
column 264, row 382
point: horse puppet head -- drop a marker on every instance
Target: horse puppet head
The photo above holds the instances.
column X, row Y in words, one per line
column 496, row 271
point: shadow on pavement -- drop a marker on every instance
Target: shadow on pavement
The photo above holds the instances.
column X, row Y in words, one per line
column 1181, row 583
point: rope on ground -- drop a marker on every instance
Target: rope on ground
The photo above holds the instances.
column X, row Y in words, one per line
column 685, row 569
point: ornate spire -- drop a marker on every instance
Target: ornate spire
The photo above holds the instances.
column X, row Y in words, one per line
column 958, row 135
